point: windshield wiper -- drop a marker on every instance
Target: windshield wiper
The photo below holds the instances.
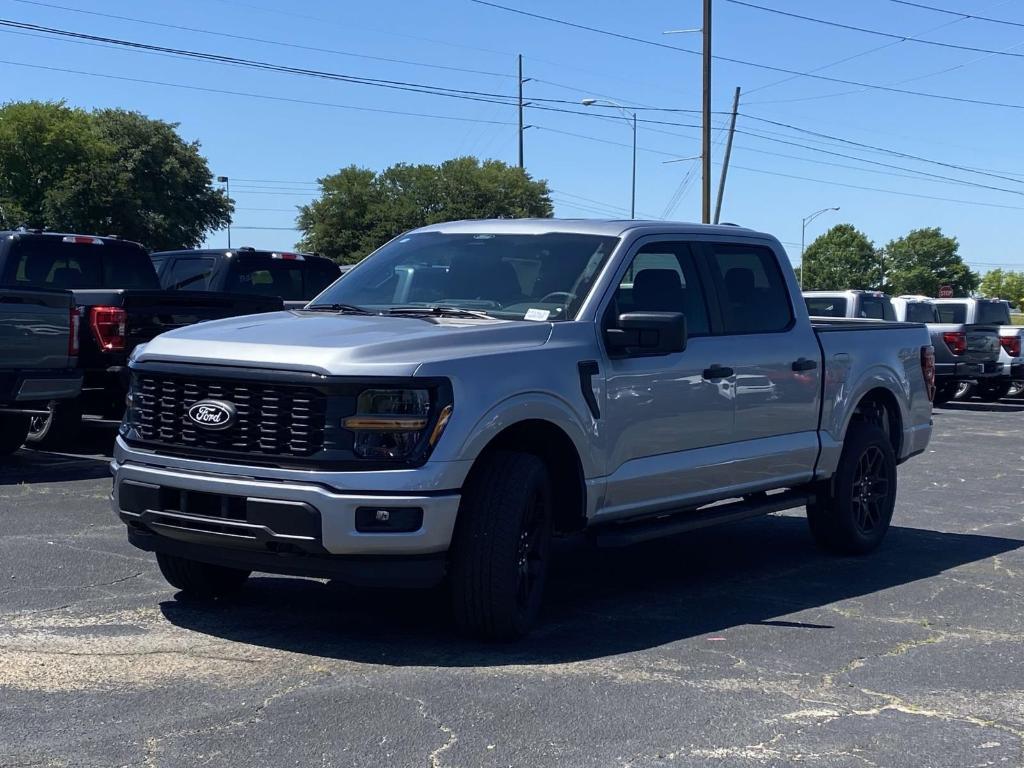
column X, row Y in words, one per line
column 438, row 310
column 347, row 309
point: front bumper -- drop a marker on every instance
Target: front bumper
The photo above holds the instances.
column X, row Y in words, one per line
column 969, row 370
column 280, row 526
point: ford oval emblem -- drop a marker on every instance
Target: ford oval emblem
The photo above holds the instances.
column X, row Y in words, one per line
column 212, row 414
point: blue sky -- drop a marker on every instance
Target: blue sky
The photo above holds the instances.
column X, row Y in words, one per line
column 275, row 148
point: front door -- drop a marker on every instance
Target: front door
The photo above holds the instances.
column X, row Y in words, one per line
column 666, row 417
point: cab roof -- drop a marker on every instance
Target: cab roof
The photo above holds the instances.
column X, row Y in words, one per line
column 601, row 227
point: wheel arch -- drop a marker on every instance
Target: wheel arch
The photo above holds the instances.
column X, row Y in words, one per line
column 551, row 444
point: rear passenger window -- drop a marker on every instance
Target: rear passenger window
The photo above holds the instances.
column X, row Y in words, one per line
column 663, row 278
column 754, row 296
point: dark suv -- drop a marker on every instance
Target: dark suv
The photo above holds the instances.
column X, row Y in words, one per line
column 294, row 277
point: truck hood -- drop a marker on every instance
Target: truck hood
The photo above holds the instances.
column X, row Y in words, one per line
column 340, row 345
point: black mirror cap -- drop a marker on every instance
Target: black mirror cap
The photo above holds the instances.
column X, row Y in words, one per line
column 648, row 333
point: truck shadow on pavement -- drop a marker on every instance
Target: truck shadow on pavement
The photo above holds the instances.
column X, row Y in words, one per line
column 1005, row 406
column 599, row 602
column 87, row 459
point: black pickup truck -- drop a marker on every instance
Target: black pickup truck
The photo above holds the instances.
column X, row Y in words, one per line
column 118, row 294
column 38, row 358
column 294, row 277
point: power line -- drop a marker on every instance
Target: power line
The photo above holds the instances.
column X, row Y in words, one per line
column 961, row 14
column 262, row 40
column 897, row 153
column 401, row 85
column 876, row 32
column 756, row 65
column 249, row 94
column 879, row 189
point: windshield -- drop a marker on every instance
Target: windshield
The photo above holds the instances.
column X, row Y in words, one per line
column 821, row 306
column 514, row 277
column 993, row 313
column 48, row 262
column 952, row 313
column 877, row 308
column 920, row 312
column 291, row 280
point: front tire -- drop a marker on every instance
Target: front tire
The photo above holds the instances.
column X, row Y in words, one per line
column 852, row 511
column 59, row 427
column 202, row 580
column 501, row 547
column 992, row 392
column 13, row 431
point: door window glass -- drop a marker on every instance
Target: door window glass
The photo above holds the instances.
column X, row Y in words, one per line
column 754, row 296
column 663, row 278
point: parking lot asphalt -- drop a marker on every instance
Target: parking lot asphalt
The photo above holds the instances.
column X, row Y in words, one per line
column 734, row 646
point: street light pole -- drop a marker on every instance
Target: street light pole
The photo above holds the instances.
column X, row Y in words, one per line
column 227, row 191
column 803, row 235
column 630, row 117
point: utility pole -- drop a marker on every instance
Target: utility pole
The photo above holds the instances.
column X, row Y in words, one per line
column 227, row 191
column 632, row 201
column 728, row 153
column 706, row 143
column 521, row 128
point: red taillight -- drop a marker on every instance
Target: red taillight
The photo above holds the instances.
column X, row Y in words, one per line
column 1011, row 344
column 928, row 369
column 288, row 256
column 82, row 240
column 74, row 323
column 956, row 341
column 108, row 327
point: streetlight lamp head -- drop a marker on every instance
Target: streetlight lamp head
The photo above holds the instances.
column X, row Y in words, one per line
column 222, row 179
column 588, row 102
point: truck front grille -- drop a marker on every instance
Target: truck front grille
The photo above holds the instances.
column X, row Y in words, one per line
column 271, row 419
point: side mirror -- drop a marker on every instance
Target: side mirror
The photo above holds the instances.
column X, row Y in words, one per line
column 648, row 333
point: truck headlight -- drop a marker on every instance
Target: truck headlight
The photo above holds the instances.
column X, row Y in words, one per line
column 392, row 423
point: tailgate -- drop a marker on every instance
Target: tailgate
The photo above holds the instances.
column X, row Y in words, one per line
column 34, row 328
column 982, row 343
column 151, row 313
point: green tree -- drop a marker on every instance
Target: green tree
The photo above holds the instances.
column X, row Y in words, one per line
column 359, row 210
column 842, row 258
column 108, row 172
column 1000, row 284
column 925, row 259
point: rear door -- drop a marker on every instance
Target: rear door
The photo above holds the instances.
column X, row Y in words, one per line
column 667, row 419
column 775, row 358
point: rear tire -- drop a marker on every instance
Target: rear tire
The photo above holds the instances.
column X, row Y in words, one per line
column 501, row 547
column 202, row 580
column 991, row 392
column 1016, row 389
column 964, row 390
column 852, row 511
column 13, row 431
column 59, row 428
column 946, row 391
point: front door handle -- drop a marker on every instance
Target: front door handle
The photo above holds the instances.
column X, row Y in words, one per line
column 717, row 372
column 803, row 364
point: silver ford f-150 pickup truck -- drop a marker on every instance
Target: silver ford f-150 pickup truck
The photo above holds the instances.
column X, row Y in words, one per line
column 472, row 388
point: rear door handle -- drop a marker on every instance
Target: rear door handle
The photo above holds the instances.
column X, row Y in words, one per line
column 803, row 364
column 717, row 372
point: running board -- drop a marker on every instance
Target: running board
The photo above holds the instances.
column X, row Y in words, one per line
column 672, row 523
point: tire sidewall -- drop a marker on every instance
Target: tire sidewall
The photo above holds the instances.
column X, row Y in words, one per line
column 860, row 439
